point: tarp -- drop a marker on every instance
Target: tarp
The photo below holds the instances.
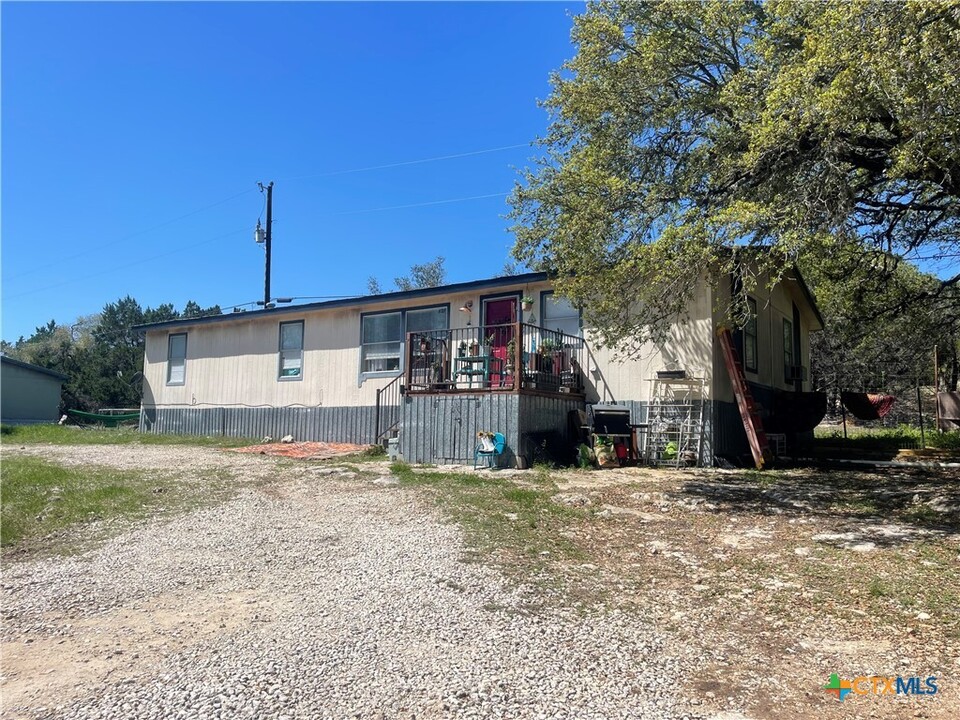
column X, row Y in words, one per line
column 949, row 405
column 867, row 406
column 796, row 412
column 106, row 420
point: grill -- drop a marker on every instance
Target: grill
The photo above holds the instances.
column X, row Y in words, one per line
column 613, row 420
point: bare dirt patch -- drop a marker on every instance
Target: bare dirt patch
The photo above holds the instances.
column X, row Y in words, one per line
column 775, row 581
column 303, row 450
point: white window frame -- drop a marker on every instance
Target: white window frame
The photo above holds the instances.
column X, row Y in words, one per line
column 403, row 337
column 545, row 297
column 171, row 359
column 289, row 353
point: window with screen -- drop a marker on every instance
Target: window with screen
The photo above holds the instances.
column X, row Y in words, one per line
column 750, row 338
column 291, row 350
column 559, row 314
column 383, row 335
column 176, row 359
column 788, row 354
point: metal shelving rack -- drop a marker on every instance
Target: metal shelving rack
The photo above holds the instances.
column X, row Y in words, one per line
column 675, row 416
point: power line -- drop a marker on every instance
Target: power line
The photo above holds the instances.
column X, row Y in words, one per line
column 107, row 271
column 423, row 204
column 410, row 162
column 164, row 224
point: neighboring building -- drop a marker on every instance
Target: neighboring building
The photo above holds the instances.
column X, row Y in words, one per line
column 467, row 357
column 28, row 393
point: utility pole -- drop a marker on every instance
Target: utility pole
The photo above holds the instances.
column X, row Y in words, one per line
column 267, row 243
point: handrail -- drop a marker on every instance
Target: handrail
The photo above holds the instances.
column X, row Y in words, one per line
column 387, row 413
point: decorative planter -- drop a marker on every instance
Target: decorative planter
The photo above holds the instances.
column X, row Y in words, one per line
column 527, row 306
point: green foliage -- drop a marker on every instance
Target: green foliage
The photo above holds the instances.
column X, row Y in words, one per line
column 874, row 338
column 814, row 131
column 102, row 355
column 425, row 275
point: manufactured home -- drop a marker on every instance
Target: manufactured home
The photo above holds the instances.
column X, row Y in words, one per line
column 432, row 367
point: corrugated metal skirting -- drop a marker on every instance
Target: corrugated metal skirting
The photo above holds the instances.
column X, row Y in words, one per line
column 324, row 424
column 443, row 429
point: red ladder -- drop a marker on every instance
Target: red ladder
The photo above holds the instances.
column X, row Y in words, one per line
column 748, row 408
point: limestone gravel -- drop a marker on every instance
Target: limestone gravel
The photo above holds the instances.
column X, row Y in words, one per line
column 319, row 597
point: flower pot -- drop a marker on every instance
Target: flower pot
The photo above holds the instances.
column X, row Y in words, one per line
column 527, row 306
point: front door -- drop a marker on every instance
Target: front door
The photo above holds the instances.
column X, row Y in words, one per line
column 499, row 317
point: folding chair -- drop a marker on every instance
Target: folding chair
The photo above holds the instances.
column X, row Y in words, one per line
column 491, row 456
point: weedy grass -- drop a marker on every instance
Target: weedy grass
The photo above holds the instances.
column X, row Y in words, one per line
column 518, row 524
column 78, row 435
column 43, row 501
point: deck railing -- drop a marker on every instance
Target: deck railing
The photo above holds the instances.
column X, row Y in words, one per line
column 507, row 357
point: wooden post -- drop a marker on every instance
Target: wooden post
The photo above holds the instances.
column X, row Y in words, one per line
column 936, row 383
column 408, row 360
column 518, row 356
column 923, row 441
column 843, row 409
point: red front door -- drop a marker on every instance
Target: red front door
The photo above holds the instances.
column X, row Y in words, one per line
column 499, row 317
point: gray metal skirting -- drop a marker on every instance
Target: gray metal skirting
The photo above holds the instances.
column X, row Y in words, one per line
column 324, row 424
column 443, row 429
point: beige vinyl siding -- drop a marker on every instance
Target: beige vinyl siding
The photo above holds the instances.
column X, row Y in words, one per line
column 773, row 306
column 235, row 362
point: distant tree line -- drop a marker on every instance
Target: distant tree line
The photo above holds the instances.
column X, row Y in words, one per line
column 101, row 354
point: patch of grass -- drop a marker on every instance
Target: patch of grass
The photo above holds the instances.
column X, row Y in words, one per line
column 41, row 499
column 902, row 437
column 944, row 441
column 76, row 435
column 519, row 526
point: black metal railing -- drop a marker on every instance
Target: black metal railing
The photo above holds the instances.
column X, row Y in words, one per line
column 387, row 415
column 552, row 361
column 500, row 357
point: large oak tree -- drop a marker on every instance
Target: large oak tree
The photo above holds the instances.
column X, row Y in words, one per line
column 827, row 134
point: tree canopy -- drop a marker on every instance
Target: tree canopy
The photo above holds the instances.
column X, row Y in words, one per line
column 102, row 354
column 422, row 275
column 825, row 133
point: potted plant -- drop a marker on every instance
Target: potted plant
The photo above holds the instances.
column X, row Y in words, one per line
column 547, row 351
column 511, row 362
column 487, row 344
column 526, row 302
column 474, row 347
column 424, row 344
column 462, row 349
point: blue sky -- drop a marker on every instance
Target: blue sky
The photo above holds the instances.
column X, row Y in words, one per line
column 134, row 135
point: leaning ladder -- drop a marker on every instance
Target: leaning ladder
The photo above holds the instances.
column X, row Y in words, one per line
column 749, row 413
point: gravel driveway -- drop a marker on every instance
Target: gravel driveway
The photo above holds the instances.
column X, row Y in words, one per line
column 319, row 596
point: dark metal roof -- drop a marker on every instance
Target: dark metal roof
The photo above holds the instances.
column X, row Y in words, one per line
column 361, row 300
column 35, row 368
